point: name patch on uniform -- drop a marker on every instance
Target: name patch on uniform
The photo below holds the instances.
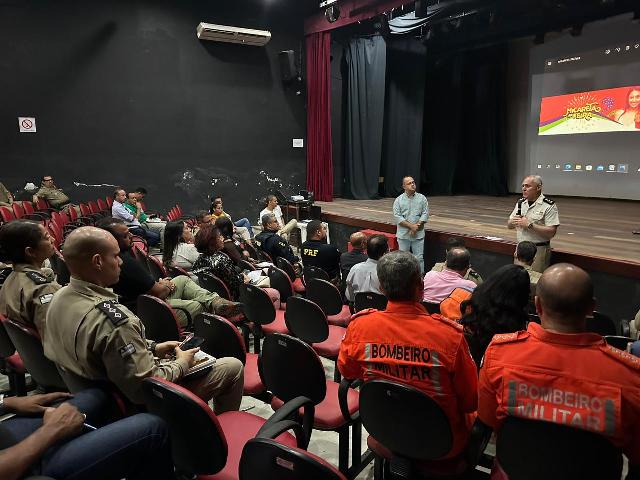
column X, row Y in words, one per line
column 44, row 299
column 128, row 350
column 37, row 278
column 111, row 310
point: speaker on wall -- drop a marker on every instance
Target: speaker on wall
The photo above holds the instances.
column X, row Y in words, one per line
column 287, row 65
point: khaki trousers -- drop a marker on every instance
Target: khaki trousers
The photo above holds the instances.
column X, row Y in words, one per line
column 191, row 297
column 542, row 259
column 224, row 385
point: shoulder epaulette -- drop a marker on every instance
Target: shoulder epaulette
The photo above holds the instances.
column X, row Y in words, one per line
column 366, row 311
column 111, row 309
column 624, row 357
column 448, row 321
column 510, row 337
column 37, row 278
column 549, row 201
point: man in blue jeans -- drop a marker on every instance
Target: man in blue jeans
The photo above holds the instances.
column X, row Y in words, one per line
column 58, row 440
column 411, row 211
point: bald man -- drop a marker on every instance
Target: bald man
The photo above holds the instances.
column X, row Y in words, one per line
column 358, row 241
column 558, row 372
column 89, row 334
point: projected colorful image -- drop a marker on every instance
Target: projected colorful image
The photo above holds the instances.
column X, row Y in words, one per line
column 611, row 110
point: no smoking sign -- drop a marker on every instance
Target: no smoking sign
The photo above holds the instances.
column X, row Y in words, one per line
column 27, row 124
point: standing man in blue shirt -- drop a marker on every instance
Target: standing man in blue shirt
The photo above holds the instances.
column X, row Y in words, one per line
column 411, row 211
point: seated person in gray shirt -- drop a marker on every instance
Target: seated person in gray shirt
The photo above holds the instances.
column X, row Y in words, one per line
column 363, row 277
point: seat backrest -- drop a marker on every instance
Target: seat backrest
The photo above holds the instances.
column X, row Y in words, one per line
column 60, row 268
column 102, row 205
column 176, row 271
column 29, row 346
column 159, row 319
column 28, row 208
column 431, row 307
column 156, row 269
column 311, row 271
column 221, row 337
column 290, row 368
column 6, row 345
column 42, row 204
column 364, row 300
column 325, row 295
column 85, row 211
column 253, row 253
column 109, row 201
column 306, row 320
column 93, row 207
column 243, row 264
column 388, row 412
column 281, row 282
column 265, row 458
column 258, row 307
column 6, row 214
column 284, row 265
column 618, row 342
column 198, row 444
column 18, row 210
column 602, row 324
column 561, row 452
column 214, row 285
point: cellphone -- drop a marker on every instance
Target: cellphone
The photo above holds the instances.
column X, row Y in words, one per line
column 191, row 342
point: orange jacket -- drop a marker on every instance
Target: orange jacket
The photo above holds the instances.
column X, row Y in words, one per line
column 571, row 379
column 406, row 344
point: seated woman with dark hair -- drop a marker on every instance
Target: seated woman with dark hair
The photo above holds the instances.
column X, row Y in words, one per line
column 499, row 305
column 214, row 261
column 178, row 246
column 28, row 290
column 231, row 247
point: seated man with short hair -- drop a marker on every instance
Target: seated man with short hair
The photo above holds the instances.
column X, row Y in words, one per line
column 91, row 335
column 317, row 252
column 132, row 204
column 524, row 256
column 436, row 357
column 132, row 220
column 558, row 372
column 453, row 242
column 269, row 241
column 52, row 194
column 363, row 277
column 180, row 292
column 358, row 241
column 438, row 285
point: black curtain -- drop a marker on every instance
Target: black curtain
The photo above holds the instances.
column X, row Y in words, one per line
column 366, row 63
column 464, row 124
column 404, row 112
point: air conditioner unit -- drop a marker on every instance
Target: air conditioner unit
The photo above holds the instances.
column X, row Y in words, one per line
column 225, row 33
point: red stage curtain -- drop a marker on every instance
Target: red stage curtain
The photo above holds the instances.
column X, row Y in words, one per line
column 319, row 159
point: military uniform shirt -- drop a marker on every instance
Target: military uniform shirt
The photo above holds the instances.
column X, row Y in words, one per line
column 56, row 197
column 26, row 295
column 544, row 211
column 275, row 246
column 91, row 335
column 5, row 195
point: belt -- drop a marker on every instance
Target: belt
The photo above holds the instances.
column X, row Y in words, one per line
column 542, row 244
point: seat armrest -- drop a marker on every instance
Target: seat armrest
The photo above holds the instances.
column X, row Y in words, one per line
column 478, row 439
column 290, row 410
column 343, row 390
column 625, row 328
column 189, row 319
column 273, row 429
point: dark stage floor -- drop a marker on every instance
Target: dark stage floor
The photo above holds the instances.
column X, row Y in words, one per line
column 590, row 227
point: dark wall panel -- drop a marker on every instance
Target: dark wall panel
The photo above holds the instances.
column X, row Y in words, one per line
column 124, row 93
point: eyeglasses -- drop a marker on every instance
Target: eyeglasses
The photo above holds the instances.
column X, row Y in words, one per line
column 47, row 179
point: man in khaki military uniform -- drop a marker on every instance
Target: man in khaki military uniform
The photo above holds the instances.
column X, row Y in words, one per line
column 52, row 194
column 453, row 242
column 6, row 198
column 535, row 218
column 91, row 335
column 28, row 290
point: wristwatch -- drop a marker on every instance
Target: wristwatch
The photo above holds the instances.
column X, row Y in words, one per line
column 530, row 226
column 152, row 348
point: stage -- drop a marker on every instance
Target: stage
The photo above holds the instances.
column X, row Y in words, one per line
column 594, row 233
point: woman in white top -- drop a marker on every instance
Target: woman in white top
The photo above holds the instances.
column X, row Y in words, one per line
column 179, row 249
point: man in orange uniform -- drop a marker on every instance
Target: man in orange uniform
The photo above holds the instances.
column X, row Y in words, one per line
column 405, row 344
column 557, row 372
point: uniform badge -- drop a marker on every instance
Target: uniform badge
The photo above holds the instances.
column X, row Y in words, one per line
column 37, row 278
column 128, row 350
column 44, row 299
column 111, row 310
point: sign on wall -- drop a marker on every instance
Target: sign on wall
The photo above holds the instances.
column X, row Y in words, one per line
column 27, row 124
